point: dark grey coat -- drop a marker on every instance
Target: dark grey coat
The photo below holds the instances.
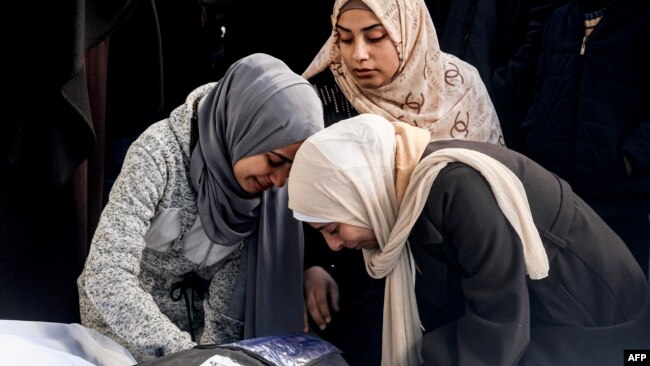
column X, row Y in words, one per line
column 473, row 292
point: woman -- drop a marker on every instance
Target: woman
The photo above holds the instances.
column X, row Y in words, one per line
column 383, row 57
column 174, row 261
column 510, row 267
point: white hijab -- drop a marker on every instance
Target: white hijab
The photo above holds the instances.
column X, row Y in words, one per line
column 431, row 89
column 346, row 174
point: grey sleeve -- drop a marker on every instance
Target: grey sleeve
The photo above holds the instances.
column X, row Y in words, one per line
column 113, row 264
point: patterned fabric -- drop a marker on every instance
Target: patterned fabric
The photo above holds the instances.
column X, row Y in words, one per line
column 431, row 89
column 124, row 289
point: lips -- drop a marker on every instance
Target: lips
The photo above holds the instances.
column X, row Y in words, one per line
column 261, row 186
column 363, row 73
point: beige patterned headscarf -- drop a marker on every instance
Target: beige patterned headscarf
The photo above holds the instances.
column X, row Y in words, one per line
column 431, row 89
column 347, row 173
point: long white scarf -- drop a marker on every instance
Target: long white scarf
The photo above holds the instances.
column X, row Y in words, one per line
column 346, row 173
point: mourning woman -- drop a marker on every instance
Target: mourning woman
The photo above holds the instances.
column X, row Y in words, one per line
column 196, row 244
column 489, row 259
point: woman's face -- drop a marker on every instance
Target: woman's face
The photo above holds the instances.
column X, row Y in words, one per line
column 257, row 173
column 367, row 50
column 339, row 235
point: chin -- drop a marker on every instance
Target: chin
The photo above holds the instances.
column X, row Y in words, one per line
column 369, row 83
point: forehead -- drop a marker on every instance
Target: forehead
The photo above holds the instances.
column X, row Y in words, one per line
column 357, row 19
column 321, row 225
column 290, row 150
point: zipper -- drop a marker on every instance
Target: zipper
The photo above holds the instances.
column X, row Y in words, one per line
column 583, row 46
column 207, row 254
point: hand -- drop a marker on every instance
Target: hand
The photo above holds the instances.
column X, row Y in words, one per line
column 319, row 288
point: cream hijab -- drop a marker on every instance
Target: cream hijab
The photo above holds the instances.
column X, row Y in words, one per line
column 431, row 89
column 348, row 173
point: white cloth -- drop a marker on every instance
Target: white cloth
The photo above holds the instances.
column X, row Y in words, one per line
column 26, row 343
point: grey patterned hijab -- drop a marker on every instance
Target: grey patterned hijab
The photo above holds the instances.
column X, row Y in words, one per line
column 259, row 105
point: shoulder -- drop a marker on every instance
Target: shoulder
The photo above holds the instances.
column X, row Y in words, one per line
column 159, row 137
column 156, row 152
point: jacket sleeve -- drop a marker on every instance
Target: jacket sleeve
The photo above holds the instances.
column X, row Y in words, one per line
column 513, row 81
column 494, row 328
column 636, row 144
column 113, row 264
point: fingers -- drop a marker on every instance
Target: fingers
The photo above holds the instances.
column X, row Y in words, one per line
column 334, row 296
column 318, row 308
column 319, row 287
column 305, row 320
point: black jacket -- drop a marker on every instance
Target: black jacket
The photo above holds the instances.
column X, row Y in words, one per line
column 593, row 304
column 590, row 111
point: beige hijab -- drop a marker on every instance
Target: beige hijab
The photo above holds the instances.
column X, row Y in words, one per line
column 347, row 173
column 431, row 89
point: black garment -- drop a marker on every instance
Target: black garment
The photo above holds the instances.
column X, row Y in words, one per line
column 336, row 106
column 594, row 303
column 590, row 116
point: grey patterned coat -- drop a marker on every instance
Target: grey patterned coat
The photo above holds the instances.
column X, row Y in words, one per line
column 125, row 287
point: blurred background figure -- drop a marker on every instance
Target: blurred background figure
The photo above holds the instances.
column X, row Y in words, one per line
column 588, row 122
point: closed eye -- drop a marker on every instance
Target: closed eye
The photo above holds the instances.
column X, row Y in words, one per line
column 377, row 39
column 275, row 164
column 335, row 230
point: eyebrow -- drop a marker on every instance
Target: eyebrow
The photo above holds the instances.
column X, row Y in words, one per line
column 282, row 157
column 363, row 29
column 321, row 227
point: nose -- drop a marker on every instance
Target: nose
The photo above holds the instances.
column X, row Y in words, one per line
column 335, row 244
column 360, row 51
column 279, row 176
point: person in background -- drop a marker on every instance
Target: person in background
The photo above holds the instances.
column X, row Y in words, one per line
column 196, row 244
column 589, row 122
column 495, row 259
column 503, row 40
column 383, row 57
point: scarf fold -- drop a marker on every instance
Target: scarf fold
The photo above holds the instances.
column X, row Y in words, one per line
column 431, row 89
column 410, row 143
column 259, row 105
column 338, row 175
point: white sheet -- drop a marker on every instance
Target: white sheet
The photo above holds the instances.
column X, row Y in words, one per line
column 26, row 343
